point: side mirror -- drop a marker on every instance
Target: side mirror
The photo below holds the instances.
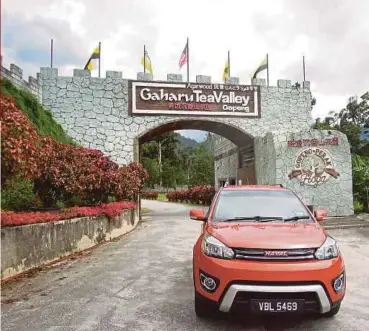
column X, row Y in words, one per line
column 320, row 215
column 197, row 215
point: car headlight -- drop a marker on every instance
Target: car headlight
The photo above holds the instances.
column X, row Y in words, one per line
column 213, row 247
column 328, row 250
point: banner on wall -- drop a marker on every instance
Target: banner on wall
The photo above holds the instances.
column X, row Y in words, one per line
column 156, row 98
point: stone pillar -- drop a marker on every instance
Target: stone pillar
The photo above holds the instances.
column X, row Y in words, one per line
column 47, row 72
column 174, row 78
column 114, row 74
column 81, row 73
column 144, row 76
column 232, row 80
column 259, row 81
column 284, row 83
column 16, row 71
column 203, row 79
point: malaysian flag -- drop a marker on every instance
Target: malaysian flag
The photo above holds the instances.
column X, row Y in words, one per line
column 184, row 56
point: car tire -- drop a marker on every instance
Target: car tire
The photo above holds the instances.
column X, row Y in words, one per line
column 334, row 311
column 202, row 307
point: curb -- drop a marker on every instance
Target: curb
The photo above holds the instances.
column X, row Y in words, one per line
column 347, row 226
column 364, row 217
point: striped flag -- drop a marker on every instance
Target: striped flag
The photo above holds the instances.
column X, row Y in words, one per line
column 95, row 55
column 146, row 62
column 263, row 65
column 226, row 71
column 184, row 57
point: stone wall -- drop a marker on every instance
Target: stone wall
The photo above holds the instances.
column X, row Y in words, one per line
column 15, row 75
column 226, row 168
column 275, row 160
column 30, row 246
column 335, row 194
column 265, row 157
column 94, row 111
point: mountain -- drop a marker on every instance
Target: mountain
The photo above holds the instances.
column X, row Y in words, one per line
column 187, row 142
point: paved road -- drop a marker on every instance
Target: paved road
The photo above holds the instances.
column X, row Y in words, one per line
column 144, row 282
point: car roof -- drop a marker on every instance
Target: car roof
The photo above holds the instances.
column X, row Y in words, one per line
column 254, row 187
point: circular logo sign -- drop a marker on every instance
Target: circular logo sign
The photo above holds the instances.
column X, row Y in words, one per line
column 313, row 166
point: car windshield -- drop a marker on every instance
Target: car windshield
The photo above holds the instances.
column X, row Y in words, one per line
column 251, row 205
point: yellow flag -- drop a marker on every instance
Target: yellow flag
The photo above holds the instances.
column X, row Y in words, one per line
column 225, row 71
column 263, row 65
column 146, row 61
column 95, row 55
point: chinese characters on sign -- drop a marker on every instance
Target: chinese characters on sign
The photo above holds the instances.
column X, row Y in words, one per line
column 313, row 166
column 313, row 142
column 165, row 98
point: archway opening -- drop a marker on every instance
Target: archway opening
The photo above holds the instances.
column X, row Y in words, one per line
column 232, row 151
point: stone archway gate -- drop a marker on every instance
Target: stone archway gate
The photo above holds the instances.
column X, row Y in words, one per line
column 112, row 113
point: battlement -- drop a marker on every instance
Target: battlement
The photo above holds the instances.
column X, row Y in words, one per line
column 15, row 75
column 47, row 72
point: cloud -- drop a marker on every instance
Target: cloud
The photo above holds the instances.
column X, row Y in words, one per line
column 335, row 35
column 332, row 34
column 29, row 41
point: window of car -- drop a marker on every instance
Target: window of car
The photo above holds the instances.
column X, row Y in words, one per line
column 264, row 203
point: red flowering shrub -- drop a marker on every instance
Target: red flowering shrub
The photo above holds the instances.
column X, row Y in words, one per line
column 62, row 171
column 110, row 210
column 197, row 194
column 86, row 173
column 149, row 195
column 19, row 142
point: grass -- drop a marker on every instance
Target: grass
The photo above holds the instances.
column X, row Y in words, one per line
column 162, row 197
column 145, row 210
column 40, row 117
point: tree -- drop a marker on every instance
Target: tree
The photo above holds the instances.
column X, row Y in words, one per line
column 161, row 148
column 350, row 120
column 152, row 167
column 202, row 169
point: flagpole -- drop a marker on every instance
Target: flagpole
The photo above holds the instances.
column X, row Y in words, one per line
column 144, row 59
column 303, row 66
column 267, row 69
column 188, row 62
column 51, row 53
column 99, row 58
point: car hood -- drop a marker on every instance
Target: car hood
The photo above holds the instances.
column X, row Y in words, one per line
column 269, row 236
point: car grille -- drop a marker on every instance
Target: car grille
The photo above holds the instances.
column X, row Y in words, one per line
column 274, row 255
column 241, row 301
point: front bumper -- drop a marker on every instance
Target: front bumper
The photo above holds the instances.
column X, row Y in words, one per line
column 240, row 281
column 230, row 295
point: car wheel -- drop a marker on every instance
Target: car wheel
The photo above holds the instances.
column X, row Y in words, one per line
column 202, row 307
column 334, row 311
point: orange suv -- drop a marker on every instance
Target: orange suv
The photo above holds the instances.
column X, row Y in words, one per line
column 262, row 250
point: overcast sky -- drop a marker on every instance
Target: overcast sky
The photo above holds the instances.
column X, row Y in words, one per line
column 333, row 35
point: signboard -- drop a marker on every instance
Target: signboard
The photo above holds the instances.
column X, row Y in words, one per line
column 313, row 142
column 313, row 166
column 156, row 98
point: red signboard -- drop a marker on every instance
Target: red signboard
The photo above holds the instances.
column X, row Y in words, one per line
column 313, row 142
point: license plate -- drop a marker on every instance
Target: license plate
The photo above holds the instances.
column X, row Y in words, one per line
column 277, row 306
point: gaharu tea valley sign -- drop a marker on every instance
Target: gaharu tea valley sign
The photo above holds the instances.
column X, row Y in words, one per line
column 153, row 98
column 313, row 142
column 313, row 166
